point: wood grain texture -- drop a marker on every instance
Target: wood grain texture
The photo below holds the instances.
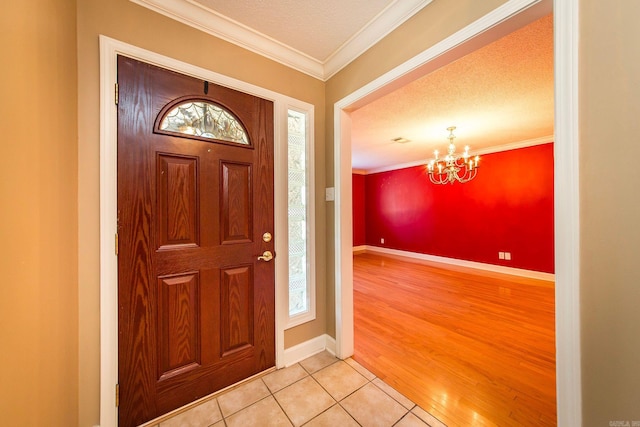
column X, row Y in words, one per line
column 137, row 356
column 470, row 347
column 177, row 311
column 178, row 324
column 178, row 194
column 236, row 203
column 237, row 309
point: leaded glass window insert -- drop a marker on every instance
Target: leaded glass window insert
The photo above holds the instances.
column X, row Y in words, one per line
column 205, row 120
column 299, row 289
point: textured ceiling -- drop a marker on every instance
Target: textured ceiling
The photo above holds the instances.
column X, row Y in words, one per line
column 315, row 28
column 316, row 37
column 500, row 94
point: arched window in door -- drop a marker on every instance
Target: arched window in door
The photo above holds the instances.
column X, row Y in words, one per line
column 202, row 119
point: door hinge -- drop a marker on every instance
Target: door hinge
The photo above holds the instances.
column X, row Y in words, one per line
column 117, row 395
column 116, row 93
column 116, row 242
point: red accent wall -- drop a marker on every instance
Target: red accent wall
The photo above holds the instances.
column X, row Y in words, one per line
column 508, row 207
column 359, row 219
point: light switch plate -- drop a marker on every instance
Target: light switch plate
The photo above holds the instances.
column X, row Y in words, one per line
column 329, row 194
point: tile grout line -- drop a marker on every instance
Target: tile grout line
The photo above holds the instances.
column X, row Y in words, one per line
column 295, row 382
column 415, row 405
column 335, row 403
column 289, row 385
column 338, row 401
column 244, row 407
column 369, row 381
column 221, row 414
column 280, row 406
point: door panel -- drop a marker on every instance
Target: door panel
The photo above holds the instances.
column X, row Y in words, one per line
column 179, row 324
column 237, row 314
column 177, row 201
column 236, row 203
column 196, row 306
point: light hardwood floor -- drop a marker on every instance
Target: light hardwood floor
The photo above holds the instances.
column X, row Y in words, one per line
column 470, row 347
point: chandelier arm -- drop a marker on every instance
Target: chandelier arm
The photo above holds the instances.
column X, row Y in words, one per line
column 452, row 168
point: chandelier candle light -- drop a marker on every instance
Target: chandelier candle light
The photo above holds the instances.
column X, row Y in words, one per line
column 453, row 168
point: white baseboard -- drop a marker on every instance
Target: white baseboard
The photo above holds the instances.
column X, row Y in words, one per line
column 462, row 263
column 331, row 344
column 361, row 248
column 293, row 355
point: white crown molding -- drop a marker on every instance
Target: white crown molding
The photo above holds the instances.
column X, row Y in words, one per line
column 205, row 19
column 202, row 18
column 482, row 151
column 513, row 145
column 379, row 27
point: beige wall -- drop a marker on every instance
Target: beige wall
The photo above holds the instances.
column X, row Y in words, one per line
column 434, row 23
column 610, row 210
column 38, row 230
column 129, row 23
column 49, row 311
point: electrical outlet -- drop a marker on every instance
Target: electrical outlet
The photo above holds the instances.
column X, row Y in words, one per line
column 382, row 241
column 500, row 255
column 507, row 256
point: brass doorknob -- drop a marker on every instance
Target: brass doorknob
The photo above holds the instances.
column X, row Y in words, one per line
column 266, row 256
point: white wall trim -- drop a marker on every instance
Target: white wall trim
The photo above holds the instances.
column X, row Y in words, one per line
column 208, row 20
column 343, row 231
column 463, row 263
column 379, row 27
column 514, row 145
column 489, row 150
column 567, row 212
column 109, row 49
column 360, row 248
column 331, row 345
column 108, row 259
column 567, row 200
column 301, row 351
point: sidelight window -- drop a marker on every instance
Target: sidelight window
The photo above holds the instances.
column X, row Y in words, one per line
column 300, row 219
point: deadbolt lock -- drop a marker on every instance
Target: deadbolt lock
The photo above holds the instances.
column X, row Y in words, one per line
column 267, row 237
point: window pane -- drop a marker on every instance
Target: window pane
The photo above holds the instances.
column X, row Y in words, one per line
column 297, row 186
column 205, row 120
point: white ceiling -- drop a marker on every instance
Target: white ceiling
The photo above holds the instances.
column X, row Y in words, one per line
column 499, row 96
column 317, row 37
column 316, row 29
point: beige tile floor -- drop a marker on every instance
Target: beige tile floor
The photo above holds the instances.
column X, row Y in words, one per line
column 319, row 391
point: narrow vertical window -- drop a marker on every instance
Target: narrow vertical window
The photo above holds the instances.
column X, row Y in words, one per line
column 300, row 224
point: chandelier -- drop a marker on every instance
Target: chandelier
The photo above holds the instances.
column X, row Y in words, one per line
column 453, row 168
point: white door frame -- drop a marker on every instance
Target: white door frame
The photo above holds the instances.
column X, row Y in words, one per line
column 567, row 202
column 109, row 50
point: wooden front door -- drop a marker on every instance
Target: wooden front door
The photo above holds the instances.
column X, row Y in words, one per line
column 195, row 304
